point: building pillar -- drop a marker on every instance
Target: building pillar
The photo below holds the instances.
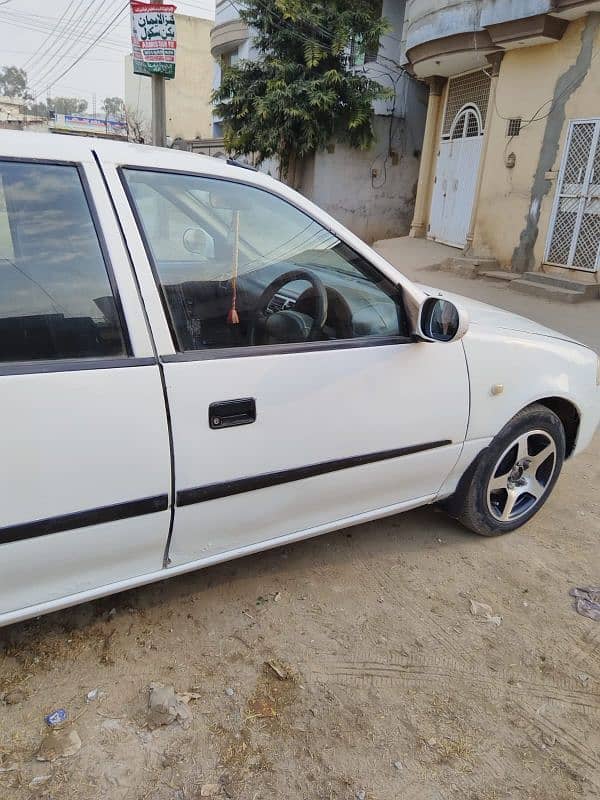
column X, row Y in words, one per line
column 418, row 228
column 495, row 59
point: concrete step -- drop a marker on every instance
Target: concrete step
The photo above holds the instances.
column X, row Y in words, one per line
column 590, row 290
column 499, row 275
column 468, row 267
column 548, row 292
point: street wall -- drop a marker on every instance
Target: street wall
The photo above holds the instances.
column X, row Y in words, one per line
column 369, row 191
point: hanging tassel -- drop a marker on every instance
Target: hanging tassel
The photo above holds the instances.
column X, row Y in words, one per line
column 233, row 318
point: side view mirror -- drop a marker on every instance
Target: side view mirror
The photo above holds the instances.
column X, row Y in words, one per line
column 197, row 241
column 441, row 321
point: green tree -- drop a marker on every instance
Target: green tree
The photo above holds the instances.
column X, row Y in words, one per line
column 113, row 107
column 13, row 82
column 68, row 105
column 37, row 108
column 301, row 91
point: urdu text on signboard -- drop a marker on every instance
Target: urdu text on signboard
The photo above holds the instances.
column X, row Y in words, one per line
column 153, row 39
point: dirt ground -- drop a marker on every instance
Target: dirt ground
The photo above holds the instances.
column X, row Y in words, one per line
column 388, row 686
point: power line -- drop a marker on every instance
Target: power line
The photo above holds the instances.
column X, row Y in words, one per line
column 109, row 44
column 70, row 25
column 552, row 100
column 80, row 28
column 34, row 55
column 62, row 58
column 43, row 18
column 108, row 27
column 205, row 9
column 45, row 78
column 36, row 22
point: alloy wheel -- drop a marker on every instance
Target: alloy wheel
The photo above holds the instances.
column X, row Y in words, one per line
column 521, row 476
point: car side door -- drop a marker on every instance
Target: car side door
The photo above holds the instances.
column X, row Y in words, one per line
column 85, row 468
column 281, row 433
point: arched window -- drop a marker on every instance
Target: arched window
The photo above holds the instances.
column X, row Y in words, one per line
column 467, row 123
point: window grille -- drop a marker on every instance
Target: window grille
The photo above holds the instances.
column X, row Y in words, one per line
column 470, row 89
column 514, row 126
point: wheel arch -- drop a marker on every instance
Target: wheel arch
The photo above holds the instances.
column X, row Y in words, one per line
column 565, row 410
column 569, row 415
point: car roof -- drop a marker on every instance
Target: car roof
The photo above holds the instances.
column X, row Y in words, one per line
column 73, row 148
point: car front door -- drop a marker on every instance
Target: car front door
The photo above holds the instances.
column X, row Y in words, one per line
column 85, row 468
column 298, row 401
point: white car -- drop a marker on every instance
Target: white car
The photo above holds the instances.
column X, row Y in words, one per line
column 197, row 363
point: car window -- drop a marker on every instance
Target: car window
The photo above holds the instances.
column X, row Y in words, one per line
column 169, row 227
column 6, row 245
column 239, row 266
column 56, row 300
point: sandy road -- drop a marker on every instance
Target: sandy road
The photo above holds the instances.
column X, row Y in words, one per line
column 392, row 687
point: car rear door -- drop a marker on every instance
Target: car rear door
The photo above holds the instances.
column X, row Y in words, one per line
column 85, row 468
column 275, row 440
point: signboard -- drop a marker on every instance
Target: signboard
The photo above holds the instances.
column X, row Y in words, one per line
column 80, row 123
column 153, row 39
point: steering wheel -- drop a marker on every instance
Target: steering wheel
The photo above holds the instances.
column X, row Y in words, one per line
column 290, row 325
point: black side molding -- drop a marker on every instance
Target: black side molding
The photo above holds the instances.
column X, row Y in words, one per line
column 83, row 519
column 215, row 491
column 73, row 365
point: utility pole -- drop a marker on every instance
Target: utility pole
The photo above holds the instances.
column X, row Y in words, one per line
column 159, row 110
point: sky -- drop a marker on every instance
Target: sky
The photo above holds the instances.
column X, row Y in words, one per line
column 37, row 37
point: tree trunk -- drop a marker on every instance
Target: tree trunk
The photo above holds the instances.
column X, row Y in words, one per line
column 295, row 172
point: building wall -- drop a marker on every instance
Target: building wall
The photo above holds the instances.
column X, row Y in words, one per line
column 245, row 51
column 507, row 213
column 386, row 70
column 11, row 108
column 189, row 110
column 447, row 37
column 435, row 19
column 373, row 195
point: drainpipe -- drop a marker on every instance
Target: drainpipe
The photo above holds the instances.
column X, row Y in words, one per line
column 495, row 59
column 418, row 228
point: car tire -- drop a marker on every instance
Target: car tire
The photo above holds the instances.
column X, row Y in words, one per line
column 514, row 476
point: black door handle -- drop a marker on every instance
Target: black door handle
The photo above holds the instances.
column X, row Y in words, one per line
column 228, row 413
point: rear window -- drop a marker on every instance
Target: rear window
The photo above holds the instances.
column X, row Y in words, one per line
column 56, row 300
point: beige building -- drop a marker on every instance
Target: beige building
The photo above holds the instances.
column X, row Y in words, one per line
column 510, row 166
column 189, row 110
column 14, row 116
column 11, row 108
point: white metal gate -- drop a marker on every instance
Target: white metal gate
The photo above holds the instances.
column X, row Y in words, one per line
column 456, row 178
column 574, row 234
